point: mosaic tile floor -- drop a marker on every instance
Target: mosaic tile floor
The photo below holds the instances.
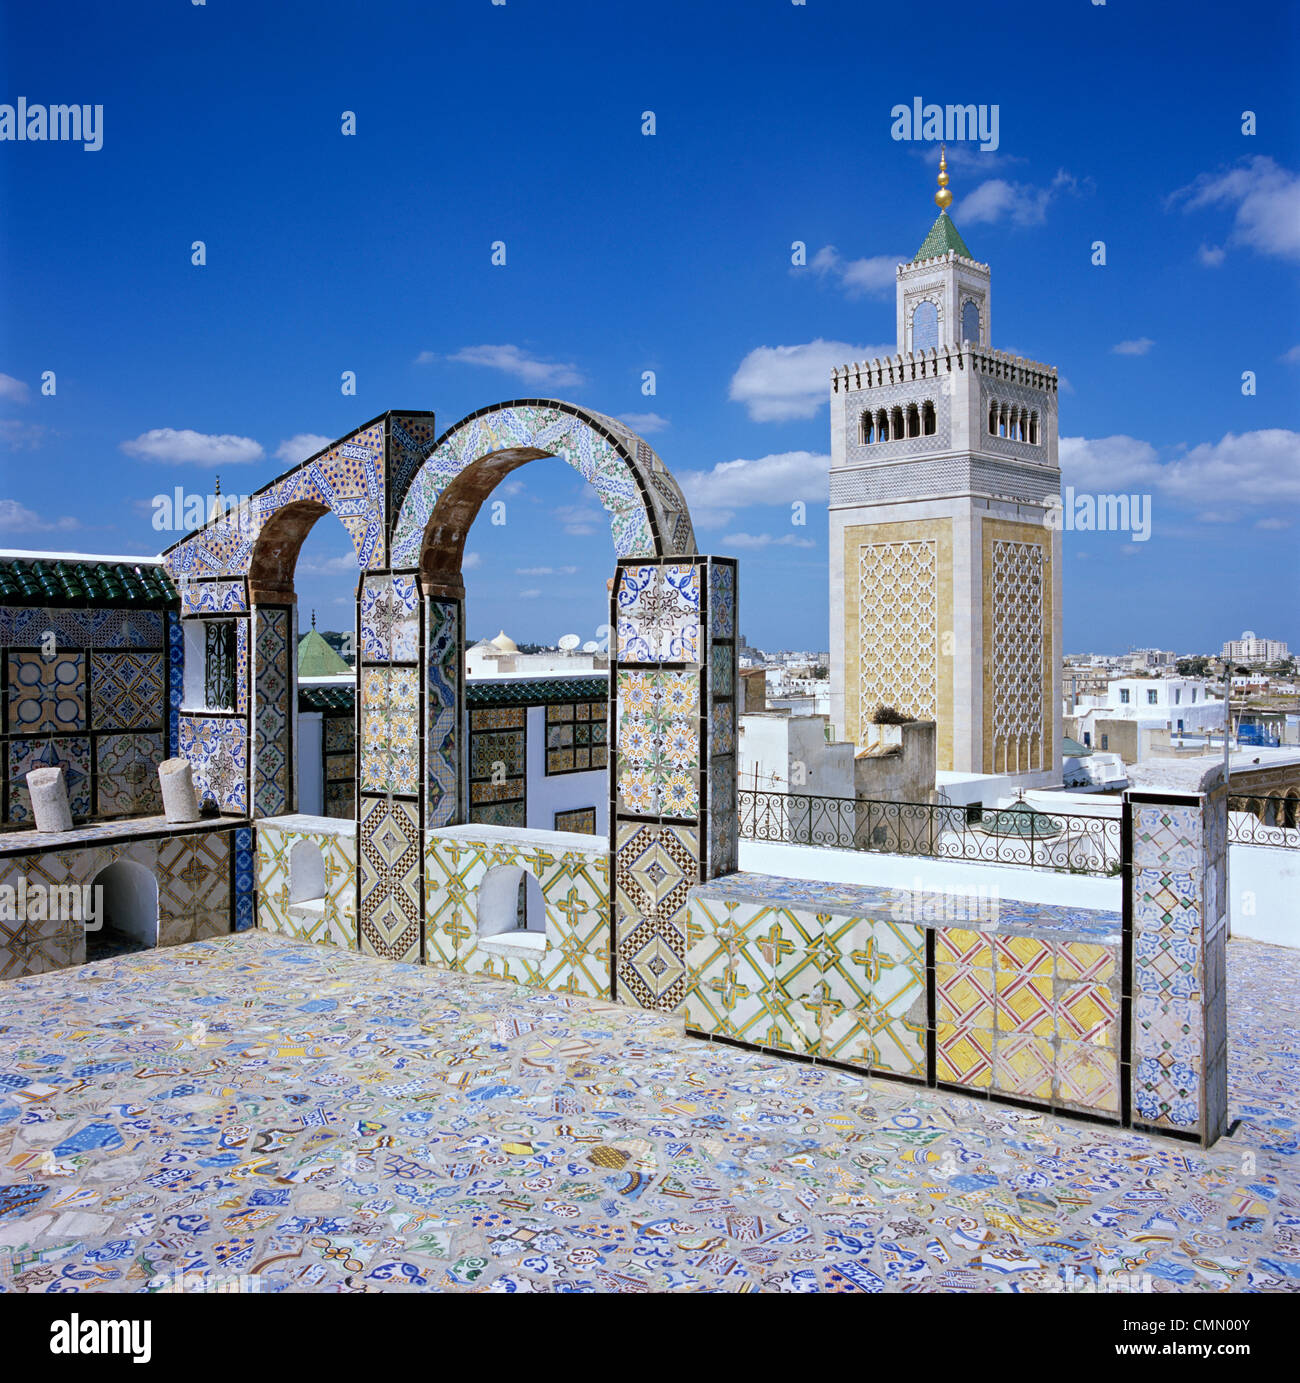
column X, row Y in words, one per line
column 294, row 1116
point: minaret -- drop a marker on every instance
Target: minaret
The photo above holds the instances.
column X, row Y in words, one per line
column 944, row 572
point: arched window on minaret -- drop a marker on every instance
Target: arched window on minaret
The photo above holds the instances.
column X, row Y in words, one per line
column 897, row 428
column 1033, row 427
column 882, row 426
column 970, row 323
column 993, row 418
column 913, row 420
column 928, row 426
column 925, row 327
column 867, row 428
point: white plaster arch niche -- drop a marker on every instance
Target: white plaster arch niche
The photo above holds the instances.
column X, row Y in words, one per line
column 510, row 911
column 128, row 908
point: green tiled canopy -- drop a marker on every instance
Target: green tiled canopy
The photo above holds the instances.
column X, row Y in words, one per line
column 53, row 581
column 943, row 237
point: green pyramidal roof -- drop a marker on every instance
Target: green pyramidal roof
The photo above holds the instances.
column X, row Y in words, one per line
column 943, row 237
column 317, row 659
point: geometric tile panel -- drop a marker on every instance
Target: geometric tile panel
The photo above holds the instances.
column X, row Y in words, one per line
column 659, row 742
column 217, row 748
column 1178, row 1000
column 575, row 888
column 192, row 871
column 273, row 714
column 443, row 663
column 47, row 694
column 390, row 733
column 659, row 613
column 655, row 865
column 127, row 774
column 69, row 752
column 390, row 619
column 127, row 690
column 329, row 918
column 388, row 857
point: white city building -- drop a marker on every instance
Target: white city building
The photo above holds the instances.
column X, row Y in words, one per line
column 1249, row 649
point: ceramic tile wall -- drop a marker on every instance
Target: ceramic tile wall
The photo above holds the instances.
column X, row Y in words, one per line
column 390, row 619
column 842, row 988
column 273, row 647
column 498, row 766
column 674, row 727
column 389, row 864
column 1179, row 909
column 333, row 918
column 1028, row 1017
column 193, row 872
column 444, row 660
column 97, row 707
column 1032, row 1018
column 217, row 748
column 574, row 884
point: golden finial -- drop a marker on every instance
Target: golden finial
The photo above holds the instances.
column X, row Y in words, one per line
column 943, row 198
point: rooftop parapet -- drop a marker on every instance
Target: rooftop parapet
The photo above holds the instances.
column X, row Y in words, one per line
column 898, row 369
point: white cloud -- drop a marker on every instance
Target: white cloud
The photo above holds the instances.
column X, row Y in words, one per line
column 1272, row 523
column 15, row 517
column 1260, row 468
column 471, row 561
column 859, row 277
column 426, row 358
column 1020, row 203
column 754, row 542
column 17, row 436
column 199, row 448
column 1292, row 357
column 779, row 383
column 529, row 595
column 300, row 446
column 14, row 390
column 644, row 423
column 1265, row 199
column 545, row 571
column 512, row 361
column 1211, row 255
column 345, row 564
column 780, row 478
column 1140, row 346
column 579, row 520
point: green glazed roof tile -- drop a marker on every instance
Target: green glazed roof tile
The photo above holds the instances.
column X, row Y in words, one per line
column 943, row 237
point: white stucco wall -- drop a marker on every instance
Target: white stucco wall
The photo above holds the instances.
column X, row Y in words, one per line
column 309, row 765
column 560, row 792
column 1264, row 893
column 903, row 871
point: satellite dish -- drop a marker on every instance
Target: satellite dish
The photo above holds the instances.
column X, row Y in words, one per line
column 591, row 646
column 569, row 642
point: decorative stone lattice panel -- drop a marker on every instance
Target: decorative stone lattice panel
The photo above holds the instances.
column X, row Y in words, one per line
column 1018, row 634
column 898, row 604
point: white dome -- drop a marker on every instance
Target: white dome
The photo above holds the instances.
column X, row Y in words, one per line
column 503, row 643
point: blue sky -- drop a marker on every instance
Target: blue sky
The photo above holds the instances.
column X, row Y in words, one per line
column 625, row 253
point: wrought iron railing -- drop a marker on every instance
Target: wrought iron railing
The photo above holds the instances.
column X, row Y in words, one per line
column 1014, row 835
column 1264, row 821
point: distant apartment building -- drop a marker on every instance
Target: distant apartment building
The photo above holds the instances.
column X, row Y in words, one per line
column 1249, row 649
column 1135, row 712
